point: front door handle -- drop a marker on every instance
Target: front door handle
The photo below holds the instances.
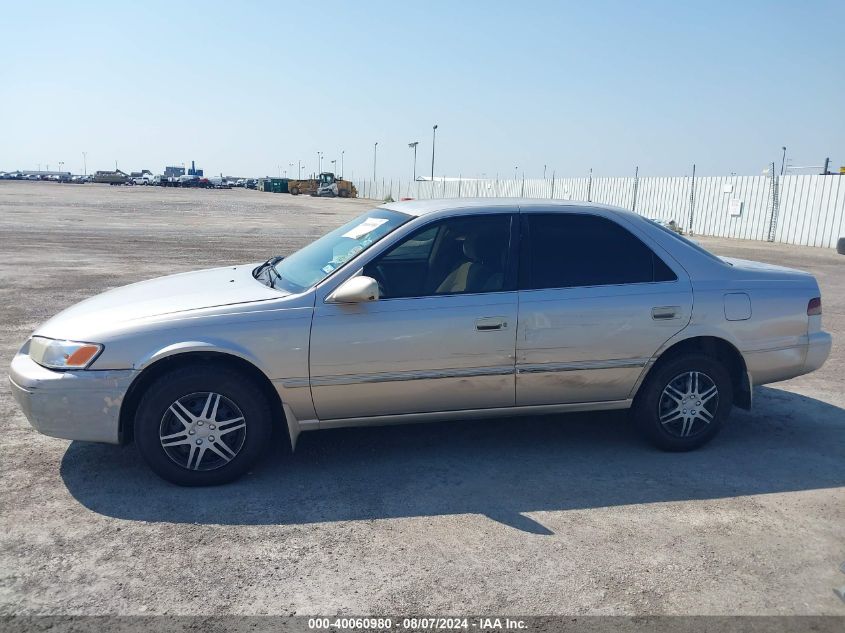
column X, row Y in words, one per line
column 488, row 324
column 664, row 313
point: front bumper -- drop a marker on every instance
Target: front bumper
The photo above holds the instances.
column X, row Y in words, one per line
column 74, row 405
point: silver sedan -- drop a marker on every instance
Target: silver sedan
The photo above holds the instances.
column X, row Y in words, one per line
column 423, row 311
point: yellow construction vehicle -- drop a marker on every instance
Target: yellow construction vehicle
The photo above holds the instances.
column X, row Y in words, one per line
column 326, row 185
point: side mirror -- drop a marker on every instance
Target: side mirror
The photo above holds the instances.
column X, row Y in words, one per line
column 356, row 290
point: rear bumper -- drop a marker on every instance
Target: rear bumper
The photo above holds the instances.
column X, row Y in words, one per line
column 774, row 365
column 817, row 351
column 74, row 405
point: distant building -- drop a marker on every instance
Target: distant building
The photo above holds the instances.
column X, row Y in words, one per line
column 193, row 171
column 174, row 172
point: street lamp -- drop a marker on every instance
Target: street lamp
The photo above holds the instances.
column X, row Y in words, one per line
column 85, row 163
column 515, row 169
column 299, row 167
column 433, row 140
column 319, row 162
column 334, row 165
column 414, row 146
column 342, row 152
column 783, row 160
column 375, row 156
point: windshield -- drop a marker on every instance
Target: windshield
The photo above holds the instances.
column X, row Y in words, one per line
column 313, row 263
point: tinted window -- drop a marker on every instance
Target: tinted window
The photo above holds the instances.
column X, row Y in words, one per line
column 455, row 256
column 570, row 250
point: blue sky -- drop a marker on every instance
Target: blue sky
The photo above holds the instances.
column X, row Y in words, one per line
column 244, row 88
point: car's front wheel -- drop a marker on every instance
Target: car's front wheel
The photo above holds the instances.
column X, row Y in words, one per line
column 683, row 402
column 202, row 426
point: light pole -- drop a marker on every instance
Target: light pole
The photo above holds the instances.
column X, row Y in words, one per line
column 85, row 163
column 319, row 162
column 433, row 141
column 61, row 165
column 375, row 156
column 334, row 165
column 515, row 169
column 544, row 172
column 783, row 160
column 299, row 167
column 342, row 152
column 414, row 146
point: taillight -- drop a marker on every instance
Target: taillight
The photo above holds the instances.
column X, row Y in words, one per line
column 814, row 307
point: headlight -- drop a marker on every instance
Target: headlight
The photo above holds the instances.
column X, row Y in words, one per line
column 62, row 354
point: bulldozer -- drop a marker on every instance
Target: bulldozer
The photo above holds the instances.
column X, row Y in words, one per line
column 327, row 184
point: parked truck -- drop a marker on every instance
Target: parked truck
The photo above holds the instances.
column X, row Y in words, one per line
column 327, row 184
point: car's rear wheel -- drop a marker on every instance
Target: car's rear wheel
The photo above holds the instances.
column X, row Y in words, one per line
column 202, row 426
column 684, row 402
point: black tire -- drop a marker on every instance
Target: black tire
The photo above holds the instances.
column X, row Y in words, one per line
column 238, row 396
column 663, row 420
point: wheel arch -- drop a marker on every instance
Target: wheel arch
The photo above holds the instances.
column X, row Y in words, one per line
column 168, row 362
column 716, row 347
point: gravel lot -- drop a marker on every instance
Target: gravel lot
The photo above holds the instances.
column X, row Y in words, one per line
column 557, row 515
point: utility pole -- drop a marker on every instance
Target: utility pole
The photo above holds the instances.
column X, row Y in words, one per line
column 433, row 141
column 342, row 152
column 413, row 145
column 319, row 163
column 783, row 160
column 85, row 163
column 375, row 156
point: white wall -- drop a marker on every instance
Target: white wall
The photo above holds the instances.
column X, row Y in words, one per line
column 811, row 209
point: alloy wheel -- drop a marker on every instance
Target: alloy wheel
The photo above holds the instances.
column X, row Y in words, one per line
column 688, row 404
column 202, row 431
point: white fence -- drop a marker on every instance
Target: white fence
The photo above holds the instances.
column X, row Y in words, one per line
column 806, row 210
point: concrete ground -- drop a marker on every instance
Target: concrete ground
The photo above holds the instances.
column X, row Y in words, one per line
column 557, row 515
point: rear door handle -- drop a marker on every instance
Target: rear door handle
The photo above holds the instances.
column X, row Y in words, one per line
column 487, row 324
column 664, row 313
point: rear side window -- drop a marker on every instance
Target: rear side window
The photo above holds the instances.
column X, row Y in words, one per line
column 572, row 250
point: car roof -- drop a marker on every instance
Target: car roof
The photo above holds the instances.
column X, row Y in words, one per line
column 459, row 205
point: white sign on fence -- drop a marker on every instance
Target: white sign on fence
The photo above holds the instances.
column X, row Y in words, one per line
column 735, row 207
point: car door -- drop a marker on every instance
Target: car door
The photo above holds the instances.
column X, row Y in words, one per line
column 441, row 337
column 596, row 302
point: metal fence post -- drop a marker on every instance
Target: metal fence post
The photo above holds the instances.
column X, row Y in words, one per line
column 553, row 186
column 774, row 201
column 459, row 185
column 692, row 199
column 590, row 186
column 636, row 186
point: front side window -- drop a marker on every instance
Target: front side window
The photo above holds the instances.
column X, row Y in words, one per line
column 462, row 255
column 573, row 250
column 313, row 263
